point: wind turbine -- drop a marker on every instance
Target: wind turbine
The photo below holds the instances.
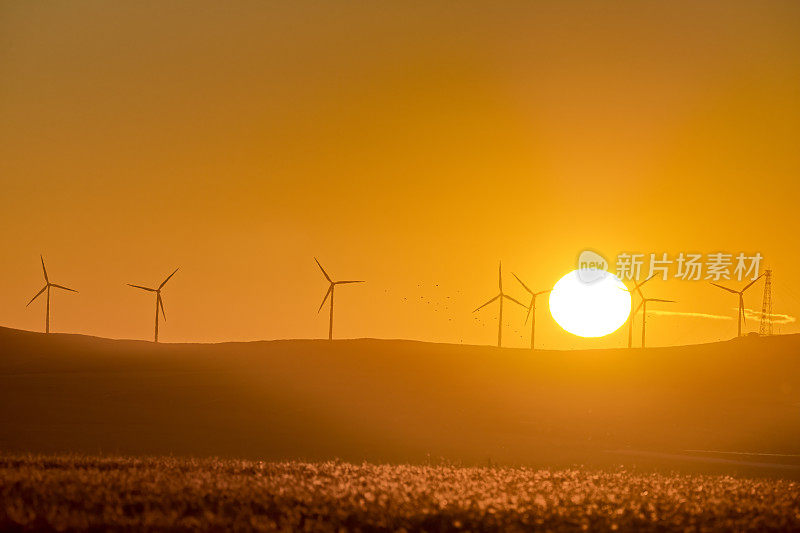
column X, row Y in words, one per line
column 637, row 288
column 500, row 297
column 643, row 305
column 532, row 307
column 741, row 300
column 159, row 300
column 332, row 285
column 47, row 286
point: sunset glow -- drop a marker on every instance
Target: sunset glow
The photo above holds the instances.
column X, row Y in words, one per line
column 399, row 266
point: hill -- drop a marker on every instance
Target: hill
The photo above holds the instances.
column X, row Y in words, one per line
column 404, row 401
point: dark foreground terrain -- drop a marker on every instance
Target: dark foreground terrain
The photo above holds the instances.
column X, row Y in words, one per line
column 92, row 493
column 724, row 408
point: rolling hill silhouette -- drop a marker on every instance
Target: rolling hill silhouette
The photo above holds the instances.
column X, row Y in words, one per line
column 404, row 401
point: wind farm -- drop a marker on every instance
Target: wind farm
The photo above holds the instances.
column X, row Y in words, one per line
column 572, row 302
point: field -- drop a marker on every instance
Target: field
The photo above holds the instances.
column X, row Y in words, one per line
column 100, row 434
column 81, row 492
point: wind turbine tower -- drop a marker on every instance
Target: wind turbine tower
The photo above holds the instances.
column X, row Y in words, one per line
column 638, row 288
column 765, row 328
column 501, row 296
column 47, row 286
column 159, row 300
column 740, row 293
column 643, row 305
column 331, row 285
column 532, row 307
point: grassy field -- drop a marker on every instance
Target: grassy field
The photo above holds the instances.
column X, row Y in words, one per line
column 94, row 493
column 708, row 436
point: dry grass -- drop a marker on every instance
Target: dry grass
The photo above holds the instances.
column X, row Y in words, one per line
column 92, row 493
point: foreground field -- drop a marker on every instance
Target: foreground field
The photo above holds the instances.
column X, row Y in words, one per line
column 82, row 493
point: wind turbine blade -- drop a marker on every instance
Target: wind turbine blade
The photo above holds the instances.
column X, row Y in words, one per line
column 349, row 281
column 330, row 288
column 161, row 305
column 140, row 287
column 44, row 270
column 500, row 276
column 37, row 295
column 521, row 283
column 487, row 303
column 543, row 292
column 638, row 307
column 513, row 300
column 724, row 288
column 660, row 300
column 323, row 271
column 749, row 284
column 63, row 287
column 637, row 286
column 528, row 314
column 166, row 280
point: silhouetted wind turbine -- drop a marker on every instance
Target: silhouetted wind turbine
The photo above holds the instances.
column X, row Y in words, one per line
column 159, row 300
column 47, row 286
column 643, row 305
column 500, row 297
column 637, row 288
column 331, row 286
column 741, row 300
column 532, row 307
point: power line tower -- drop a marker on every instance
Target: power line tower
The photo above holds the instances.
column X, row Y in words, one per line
column 765, row 328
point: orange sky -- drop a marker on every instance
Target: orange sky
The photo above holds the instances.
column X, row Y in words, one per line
column 412, row 146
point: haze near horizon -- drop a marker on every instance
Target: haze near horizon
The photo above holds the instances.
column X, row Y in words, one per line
column 411, row 146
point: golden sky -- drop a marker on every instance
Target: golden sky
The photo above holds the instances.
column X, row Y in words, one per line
column 412, row 145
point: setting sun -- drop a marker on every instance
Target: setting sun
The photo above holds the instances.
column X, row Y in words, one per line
column 590, row 309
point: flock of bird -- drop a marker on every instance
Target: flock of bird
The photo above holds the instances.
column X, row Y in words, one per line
column 500, row 297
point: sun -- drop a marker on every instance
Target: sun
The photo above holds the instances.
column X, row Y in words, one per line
column 590, row 309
